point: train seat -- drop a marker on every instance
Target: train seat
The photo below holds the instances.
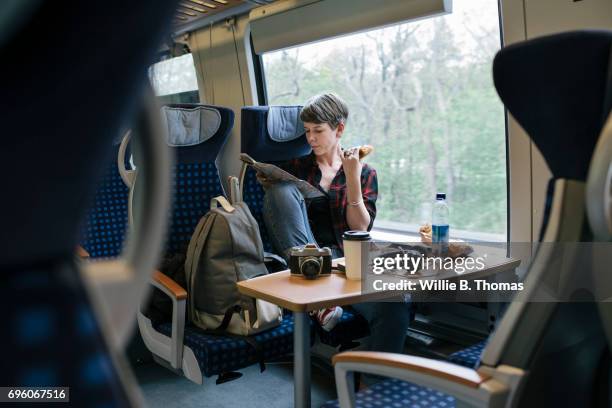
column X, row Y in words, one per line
column 533, row 338
column 55, row 329
column 274, row 134
column 398, row 394
column 270, row 134
column 197, row 133
column 106, row 221
column 468, row 357
column 217, row 355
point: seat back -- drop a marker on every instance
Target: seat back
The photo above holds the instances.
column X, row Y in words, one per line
column 564, row 119
column 106, row 220
column 599, row 205
column 52, row 335
column 270, row 134
column 196, row 134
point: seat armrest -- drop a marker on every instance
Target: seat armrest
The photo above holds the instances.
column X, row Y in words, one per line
column 178, row 295
column 175, row 289
column 467, row 385
column 441, row 369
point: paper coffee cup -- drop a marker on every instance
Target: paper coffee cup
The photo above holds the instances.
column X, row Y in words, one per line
column 356, row 253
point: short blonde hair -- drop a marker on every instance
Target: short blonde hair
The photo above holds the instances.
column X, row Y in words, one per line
column 325, row 108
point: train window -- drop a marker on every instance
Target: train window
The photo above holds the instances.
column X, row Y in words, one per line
column 422, row 94
column 174, row 80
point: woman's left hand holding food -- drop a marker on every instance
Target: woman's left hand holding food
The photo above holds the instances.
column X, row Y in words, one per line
column 350, row 162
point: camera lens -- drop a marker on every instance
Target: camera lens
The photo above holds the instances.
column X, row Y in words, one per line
column 310, row 267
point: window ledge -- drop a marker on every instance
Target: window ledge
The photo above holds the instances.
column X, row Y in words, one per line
column 402, row 232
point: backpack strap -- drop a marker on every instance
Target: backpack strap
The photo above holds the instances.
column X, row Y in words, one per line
column 234, row 187
column 241, row 177
column 193, row 256
column 227, row 317
column 222, row 201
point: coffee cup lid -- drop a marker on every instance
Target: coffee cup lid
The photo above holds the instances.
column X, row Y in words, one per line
column 356, row 236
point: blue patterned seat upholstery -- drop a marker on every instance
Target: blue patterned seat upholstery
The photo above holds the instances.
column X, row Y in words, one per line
column 257, row 142
column 106, row 222
column 193, row 185
column 195, row 178
column 393, row 393
column 468, row 357
column 253, row 195
column 55, row 339
column 217, row 354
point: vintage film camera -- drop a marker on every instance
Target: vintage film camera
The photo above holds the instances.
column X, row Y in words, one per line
column 310, row 261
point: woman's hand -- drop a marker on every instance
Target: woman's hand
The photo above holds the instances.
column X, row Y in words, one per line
column 357, row 216
column 350, row 162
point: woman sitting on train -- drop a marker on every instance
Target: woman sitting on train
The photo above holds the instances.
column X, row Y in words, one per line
column 350, row 189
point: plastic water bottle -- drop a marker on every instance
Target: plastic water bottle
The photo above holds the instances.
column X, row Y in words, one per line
column 439, row 225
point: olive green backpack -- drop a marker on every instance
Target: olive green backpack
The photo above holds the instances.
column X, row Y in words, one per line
column 225, row 249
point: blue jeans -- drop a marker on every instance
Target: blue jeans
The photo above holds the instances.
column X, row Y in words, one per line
column 286, row 219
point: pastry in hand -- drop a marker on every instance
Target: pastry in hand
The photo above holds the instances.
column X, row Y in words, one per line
column 364, row 150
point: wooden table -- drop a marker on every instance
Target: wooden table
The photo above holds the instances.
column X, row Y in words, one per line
column 302, row 296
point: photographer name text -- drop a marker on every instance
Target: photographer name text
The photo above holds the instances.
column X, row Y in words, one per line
column 445, row 285
column 411, row 266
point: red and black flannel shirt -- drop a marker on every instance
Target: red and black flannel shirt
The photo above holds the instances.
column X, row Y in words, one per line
column 306, row 168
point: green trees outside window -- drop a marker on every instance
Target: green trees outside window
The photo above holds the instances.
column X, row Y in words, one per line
column 422, row 94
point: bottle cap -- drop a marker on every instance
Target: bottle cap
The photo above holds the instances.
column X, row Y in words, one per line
column 441, row 196
column 356, row 236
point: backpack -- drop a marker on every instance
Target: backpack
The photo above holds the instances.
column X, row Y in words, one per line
column 226, row 248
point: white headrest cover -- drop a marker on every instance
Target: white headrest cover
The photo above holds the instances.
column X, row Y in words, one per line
column 284, row 123
column 190, row 126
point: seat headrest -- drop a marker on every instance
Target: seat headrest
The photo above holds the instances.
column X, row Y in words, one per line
column 273, row 133
column 197, row 132
column 555, row 87
column 190, row 126
column 284, row 123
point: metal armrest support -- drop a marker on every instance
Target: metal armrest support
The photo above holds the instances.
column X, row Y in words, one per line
column 470, row 387
column 178, row 295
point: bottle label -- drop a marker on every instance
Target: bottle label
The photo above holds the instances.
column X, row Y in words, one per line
column 439, row 237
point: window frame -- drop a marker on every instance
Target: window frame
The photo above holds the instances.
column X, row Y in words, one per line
column 410, row 233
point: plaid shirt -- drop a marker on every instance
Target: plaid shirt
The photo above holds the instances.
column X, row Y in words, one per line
column 306, row 168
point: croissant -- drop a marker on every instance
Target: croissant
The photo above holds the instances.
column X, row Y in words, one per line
column 364, row 150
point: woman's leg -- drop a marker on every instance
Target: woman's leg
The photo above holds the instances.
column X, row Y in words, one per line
column 286, row 218
column 388, row 323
